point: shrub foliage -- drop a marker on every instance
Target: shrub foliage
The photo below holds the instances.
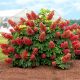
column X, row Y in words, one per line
column 38, row 39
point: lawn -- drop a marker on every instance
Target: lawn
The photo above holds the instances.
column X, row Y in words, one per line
column 2, row 40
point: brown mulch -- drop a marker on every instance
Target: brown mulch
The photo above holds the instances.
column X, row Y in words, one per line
column 40, row 73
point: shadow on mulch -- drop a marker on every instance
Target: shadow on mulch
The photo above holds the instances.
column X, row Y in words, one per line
column 40, row 73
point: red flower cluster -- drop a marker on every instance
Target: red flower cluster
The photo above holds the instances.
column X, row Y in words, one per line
column 54, row 63
column 77, row 52
column 24, row 54
column 63, row 24
column 17, row 56
column 18, row 41
column 35, row 29
column 42, row 27
column 76, row 44
column 27, row 41
column 72, row 27
column 32, row 16
column 53, row 26
column 51, row 44
column 35, row 51
column 65, row 51
column 64, row 44
column 74, row 37
column 11, row 49
column 66, row 34
column 30, row 31
column 50, row 15
column 52, row 57
column 17, row 28
column 57, row 34
column 6, row 49
column 13, row 41
column 12, row 30
column 8, row 60
column 42, row 36
column 58, row 20
column 12, row 23
column 7, row 35
column 30, row 23
column 4, row 46
column 43, row 56
column 32, row 57
column 22, row 20
column 66, row 58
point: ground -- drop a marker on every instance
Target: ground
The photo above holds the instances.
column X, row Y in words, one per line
column 40, row 73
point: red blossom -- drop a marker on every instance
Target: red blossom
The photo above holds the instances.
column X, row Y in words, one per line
column 35, row 51
column 24, row 54
column 42, row 36
column 8, row 60
column 54, row 63
column 51, row 44
column 35, row 29
column 30, row 23
column 12, row 30
column 58, row 20
column 64, row 44
column 74, row 37
column 29, row 16
column 4, row 46
column 52, row 57
column 34, row 16
column 75, row 42
column 66, row 34
column 53, row 26
column 42, row 27
column 12, row 23
column 66, row 58
column 43, row 56
column 18, row 41
column 7, row 35
column 76, row 46
column 58, row 34
column 22, row 19
column 17, row 28
column 27, row 41
column 10, row 49
column 50, row 15
column 5, row 51
column 77, row 52
column 32, row 57
column 13, row 41
column 30, row 31
column 17, row 56
column 65, row 51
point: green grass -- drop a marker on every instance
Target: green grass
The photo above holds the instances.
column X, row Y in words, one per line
column 2, row 40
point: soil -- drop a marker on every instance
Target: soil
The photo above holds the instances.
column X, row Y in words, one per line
column 40, row 73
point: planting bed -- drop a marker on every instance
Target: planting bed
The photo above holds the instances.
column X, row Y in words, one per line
column 40, row 73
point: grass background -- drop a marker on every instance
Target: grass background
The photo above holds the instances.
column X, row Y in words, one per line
column 2, row 40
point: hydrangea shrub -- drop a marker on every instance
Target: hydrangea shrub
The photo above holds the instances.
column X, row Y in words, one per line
column 38, row 40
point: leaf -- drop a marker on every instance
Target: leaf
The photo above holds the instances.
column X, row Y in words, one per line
column 64, row 66
column 15, row 35
column 21, row 62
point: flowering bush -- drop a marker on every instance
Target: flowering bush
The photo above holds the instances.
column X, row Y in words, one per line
column 40, row 40
column 75, row 38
